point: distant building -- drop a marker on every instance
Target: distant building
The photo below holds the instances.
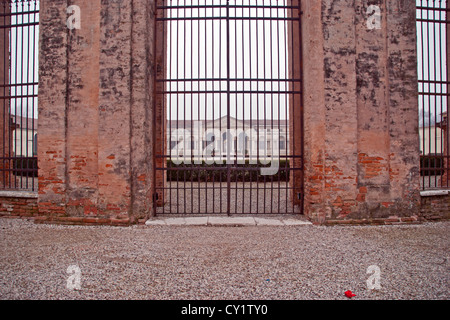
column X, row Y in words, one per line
column 250, row 138
column 431, row 140
column 24, row 139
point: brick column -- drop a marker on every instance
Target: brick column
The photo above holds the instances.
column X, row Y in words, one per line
column 142, row 108
column 95, row 104
column 82, row 131
column 373, row 109
column 445, row 180
column 403, row 105
column 314, row 110
column 53, row 90
column 360, row 101
column 5, row 134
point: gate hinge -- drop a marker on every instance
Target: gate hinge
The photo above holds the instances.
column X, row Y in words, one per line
column 155, row 197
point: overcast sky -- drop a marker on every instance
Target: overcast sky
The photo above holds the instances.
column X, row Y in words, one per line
column 24, row 59
column 257, row 50
column 432, row 57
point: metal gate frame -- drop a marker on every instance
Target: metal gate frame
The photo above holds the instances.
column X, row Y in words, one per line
column 19, row 20
column 433, row 25
column 198, row 178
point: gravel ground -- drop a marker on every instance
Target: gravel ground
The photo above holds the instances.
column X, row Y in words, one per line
column 270, row 263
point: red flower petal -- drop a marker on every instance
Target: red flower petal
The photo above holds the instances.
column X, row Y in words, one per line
column 349, row 294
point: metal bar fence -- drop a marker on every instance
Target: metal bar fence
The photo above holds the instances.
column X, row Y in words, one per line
column 19, row 36
column 433, row 24
column 230, row 89
column 433, row 47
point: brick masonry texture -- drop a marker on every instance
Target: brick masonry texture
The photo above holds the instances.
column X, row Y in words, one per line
column 435, row 207
column 96, row 111
column 95, row 104
column 361, row 141
column 18, row 207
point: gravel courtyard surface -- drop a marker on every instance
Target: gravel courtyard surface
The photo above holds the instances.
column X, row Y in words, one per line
column 306, row 262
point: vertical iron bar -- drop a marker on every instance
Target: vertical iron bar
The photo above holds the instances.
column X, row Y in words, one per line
column 286, row 97
column 302, row 118
column 16, row 80
column 228, row 110
column 250, row 146
column 169, row 111
column 257, row 114
column 235, row 139
column 435, row 96
column 34, row 97
column 447, row 125
column 178, row 103
column 198, row 106
column 186, row 143
column 271, row 107
column 213, row 101
column 429, row 93
column 423, row 171
column 192, row 142
column 293, row 107
column 165, row 112
column 265, row 104
column 6, row 116
column 279, row 110
column 442, row 85
column 27, row 107
column 206, row 102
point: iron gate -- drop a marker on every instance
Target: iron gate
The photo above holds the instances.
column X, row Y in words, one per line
column 433, row 24
column 19, row 36
column 229, row 114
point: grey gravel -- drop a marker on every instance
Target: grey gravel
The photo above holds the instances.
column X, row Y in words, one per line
column 188, row 262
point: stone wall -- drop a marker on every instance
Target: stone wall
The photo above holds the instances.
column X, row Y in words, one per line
column 18, row 204
column 435, row 205
column 361, row 120
column 96, row 110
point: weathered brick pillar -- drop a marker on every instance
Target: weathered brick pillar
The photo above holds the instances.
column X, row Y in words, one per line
column 5, row 134
column 360, row 92
column 95, row 110
column 53, row 90
column 83, row 132
column 445, row 180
